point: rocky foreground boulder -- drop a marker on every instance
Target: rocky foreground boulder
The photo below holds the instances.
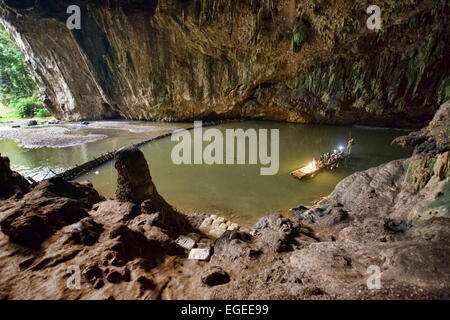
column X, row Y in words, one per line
column 382, row 234
column 11, row 183
column 48, row 207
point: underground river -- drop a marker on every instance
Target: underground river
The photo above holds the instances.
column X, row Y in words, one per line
column 237, row 192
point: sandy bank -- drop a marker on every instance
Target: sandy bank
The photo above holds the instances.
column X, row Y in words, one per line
column 50, row 137
column 71, row 134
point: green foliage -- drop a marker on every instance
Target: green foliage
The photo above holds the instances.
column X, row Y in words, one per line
column 43, row 113
column 29, row 107
column 16, row 81
column 430, row 164
column 401, row 104
column 444, row 90
column 297, row 36
column 393, row 90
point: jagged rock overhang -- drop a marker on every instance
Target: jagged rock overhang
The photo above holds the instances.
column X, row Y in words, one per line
column 180, row 60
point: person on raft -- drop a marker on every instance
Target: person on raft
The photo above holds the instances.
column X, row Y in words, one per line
column 350, row 144
column 321, row 162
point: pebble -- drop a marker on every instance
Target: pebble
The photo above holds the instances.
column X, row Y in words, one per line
column 199, row 254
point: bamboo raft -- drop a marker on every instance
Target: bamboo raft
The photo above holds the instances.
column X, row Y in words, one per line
column 310, row 170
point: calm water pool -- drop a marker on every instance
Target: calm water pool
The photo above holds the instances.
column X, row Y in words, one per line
column 239, row 192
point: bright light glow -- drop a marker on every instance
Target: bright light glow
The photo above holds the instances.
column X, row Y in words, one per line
column 311, row 167
column 335, row 151
column 341, row 148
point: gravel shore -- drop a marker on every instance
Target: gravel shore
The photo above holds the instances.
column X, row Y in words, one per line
column 69, row 134
column 50, row 137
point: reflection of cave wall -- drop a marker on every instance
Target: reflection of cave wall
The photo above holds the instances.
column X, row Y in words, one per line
column 184, row 59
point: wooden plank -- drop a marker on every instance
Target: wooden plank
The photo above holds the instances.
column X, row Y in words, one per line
column 300, row 173
column 306, row 171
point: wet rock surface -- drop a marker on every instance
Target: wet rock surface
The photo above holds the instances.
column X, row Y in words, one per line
column 433, row 139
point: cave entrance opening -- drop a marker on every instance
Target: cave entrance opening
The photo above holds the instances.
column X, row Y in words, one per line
column 19, row 97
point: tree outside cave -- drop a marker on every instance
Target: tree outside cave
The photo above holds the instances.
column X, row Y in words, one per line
column 18, row 91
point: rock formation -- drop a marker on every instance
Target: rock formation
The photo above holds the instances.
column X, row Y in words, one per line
column 134, row 185
column 50, row 206
column 134, row 182
column 290, row 60
column 11, row 183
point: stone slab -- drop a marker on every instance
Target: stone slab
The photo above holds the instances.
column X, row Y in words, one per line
column 185, row 242
column 199, row 254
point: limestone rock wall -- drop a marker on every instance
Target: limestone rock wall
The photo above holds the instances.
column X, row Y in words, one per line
column 311, row 61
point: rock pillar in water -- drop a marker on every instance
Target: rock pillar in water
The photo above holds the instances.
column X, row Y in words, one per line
column 134, row 183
